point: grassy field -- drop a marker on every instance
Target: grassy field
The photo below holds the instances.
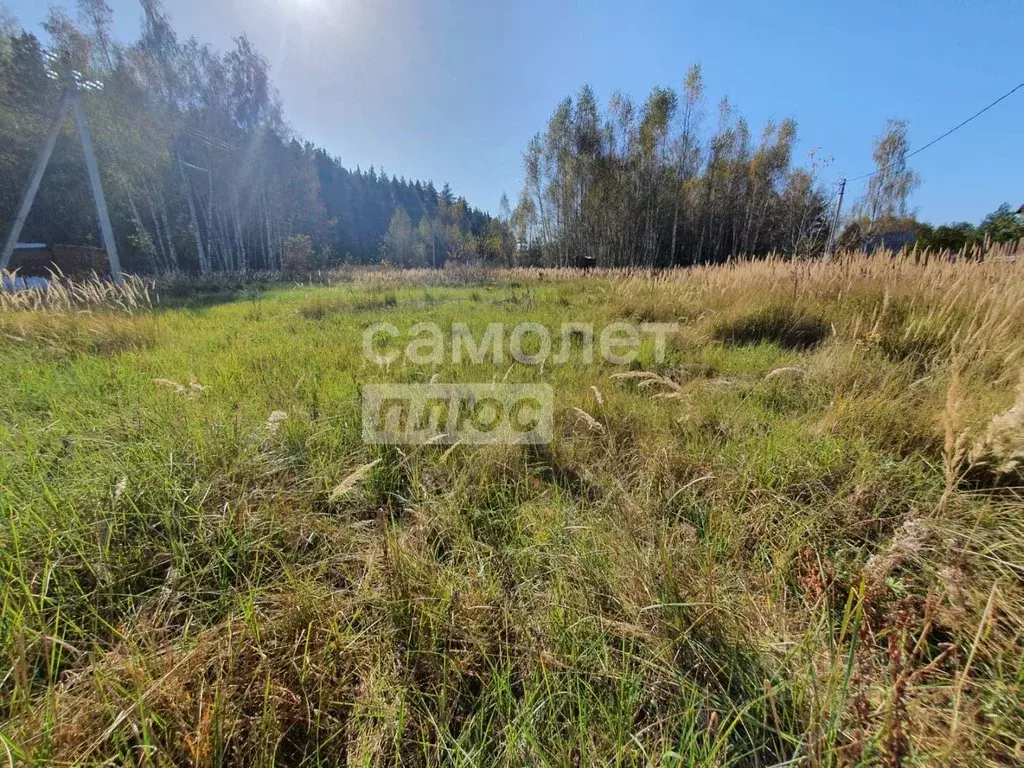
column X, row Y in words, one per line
column 798, row 539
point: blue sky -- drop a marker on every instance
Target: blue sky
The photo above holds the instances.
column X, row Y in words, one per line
column 452, row 90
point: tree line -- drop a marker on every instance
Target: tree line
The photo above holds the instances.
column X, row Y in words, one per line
column 200, row 170
column 642, row 185
column 646, row 185
column 203, row 174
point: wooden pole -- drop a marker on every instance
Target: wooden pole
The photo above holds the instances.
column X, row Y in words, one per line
column 830, row 246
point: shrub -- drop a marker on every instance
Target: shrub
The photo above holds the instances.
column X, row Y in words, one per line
column 298, row 254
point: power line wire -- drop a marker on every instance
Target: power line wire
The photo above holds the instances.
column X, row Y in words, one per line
column 936, row 140
column 210, row 140
column 194, row 167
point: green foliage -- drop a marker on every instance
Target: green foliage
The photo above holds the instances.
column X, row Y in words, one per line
column 1003, row 225
column 948, row 237
column 298, row 254
column 399, row 241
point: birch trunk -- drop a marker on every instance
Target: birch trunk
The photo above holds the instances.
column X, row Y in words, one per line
column 204, row 266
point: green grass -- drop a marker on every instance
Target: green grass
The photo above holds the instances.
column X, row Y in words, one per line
column 803, row 553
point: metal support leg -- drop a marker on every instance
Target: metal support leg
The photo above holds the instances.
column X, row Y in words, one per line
column 97, row 190
column 38, row 169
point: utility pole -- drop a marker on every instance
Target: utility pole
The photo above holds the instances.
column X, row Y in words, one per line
column 71, row 97
column 830, row 246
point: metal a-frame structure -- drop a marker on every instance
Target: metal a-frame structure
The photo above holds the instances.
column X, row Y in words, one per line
column 70, row 99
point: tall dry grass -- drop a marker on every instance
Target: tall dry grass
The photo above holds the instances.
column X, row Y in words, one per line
column 63, row 294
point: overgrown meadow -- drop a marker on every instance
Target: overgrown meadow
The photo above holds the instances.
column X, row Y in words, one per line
column 797, row 539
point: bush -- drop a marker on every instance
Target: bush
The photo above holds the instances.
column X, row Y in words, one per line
column 298, row 254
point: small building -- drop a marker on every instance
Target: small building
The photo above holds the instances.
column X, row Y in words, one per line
column 29, row 252
column 74, row 261
column 894, row 240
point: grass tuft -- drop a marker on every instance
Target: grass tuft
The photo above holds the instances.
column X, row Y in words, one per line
column 776, row 324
